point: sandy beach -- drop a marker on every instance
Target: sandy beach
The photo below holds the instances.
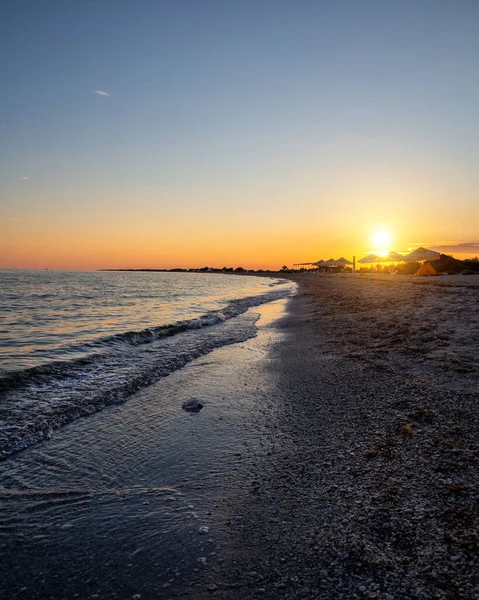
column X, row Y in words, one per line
column 336, row 457
column 371, row 488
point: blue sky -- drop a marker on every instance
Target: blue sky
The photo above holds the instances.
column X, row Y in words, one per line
column 240, row 106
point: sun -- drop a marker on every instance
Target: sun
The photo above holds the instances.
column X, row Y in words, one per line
column 382, row 241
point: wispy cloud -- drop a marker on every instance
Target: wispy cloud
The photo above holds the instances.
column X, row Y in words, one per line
column 459, row 247
column 445, row 246
column 100, row 93
column 25, row 177
column 9, row 219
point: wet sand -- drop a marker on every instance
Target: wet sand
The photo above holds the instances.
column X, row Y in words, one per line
column 336, row 457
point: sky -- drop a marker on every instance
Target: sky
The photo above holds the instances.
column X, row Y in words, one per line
column 186, row 133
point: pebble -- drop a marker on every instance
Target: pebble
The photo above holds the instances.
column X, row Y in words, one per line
column 192, row 405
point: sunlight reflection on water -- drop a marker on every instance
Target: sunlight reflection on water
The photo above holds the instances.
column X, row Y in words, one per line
column 48, row 315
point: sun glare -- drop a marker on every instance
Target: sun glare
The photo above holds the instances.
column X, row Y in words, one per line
column 381, row 239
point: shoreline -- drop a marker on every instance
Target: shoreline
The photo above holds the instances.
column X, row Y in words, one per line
column 371, row 491
column 61, row 377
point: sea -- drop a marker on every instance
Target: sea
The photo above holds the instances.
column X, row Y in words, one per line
column 108, row 487
column 73, row 343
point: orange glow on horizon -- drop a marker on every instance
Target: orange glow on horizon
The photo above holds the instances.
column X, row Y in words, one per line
column 118, row 238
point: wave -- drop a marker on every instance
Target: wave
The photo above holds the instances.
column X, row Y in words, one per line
column 91, row 351
column 36, row 401
column 279, row 282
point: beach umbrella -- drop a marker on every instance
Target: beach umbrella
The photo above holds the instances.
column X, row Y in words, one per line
column 394, row 257
column 325, row 263
column 369, row 259
column 422, row 254
column 343, row 261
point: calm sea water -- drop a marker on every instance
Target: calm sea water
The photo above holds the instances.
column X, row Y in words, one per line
column 74, row 342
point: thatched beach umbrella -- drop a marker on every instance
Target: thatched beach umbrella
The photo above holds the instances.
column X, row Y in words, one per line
column 421, row 254
column 369, row 259
column 394, row 257
column 343, row 261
